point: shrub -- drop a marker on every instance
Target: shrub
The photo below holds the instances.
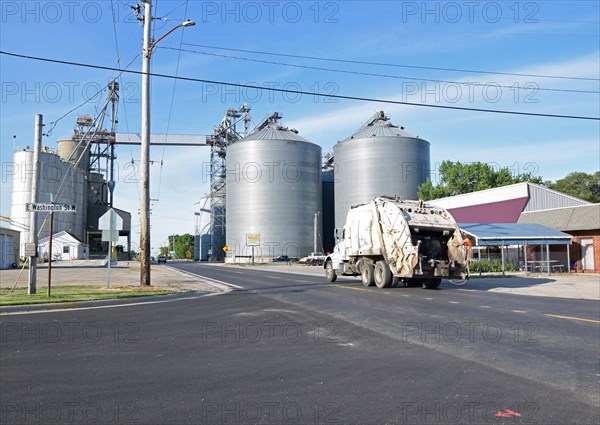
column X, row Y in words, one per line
column 489, row 266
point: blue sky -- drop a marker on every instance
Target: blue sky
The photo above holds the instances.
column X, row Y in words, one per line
column 544, row 38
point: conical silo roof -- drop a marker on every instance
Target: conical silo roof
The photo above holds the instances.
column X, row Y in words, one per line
column 379, row 126
column 274, row 131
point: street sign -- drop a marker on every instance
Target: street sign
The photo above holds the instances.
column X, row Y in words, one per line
column 30, row 250
column 110, row 236
column 30, row 207
column 252, row 239
column 226, row 248
column 110, row 220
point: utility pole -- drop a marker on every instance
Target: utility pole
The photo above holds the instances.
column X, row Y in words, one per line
column 33, row 239
column 114, row 99
column 145, row 142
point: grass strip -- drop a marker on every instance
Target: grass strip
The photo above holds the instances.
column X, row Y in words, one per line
column 61, row 294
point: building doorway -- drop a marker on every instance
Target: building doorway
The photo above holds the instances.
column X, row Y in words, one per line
column 587, row 254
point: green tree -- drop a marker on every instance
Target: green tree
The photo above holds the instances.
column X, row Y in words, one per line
column 456, row 178
column 181, row 244
column 580, row 185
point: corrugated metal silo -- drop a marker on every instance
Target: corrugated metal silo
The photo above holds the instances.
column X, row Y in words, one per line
column 73, row 151
column 202, row 232
column 273, row 187
column 378, row 159
column 327, row 177
column 53, row 173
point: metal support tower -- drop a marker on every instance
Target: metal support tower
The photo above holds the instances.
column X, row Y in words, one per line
column 103, row 141
column 223, row 135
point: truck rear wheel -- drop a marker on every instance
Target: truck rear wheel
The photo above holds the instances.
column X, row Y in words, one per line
column 367, row 273
column 432, row 283
column 329, row 272
column 383, row 274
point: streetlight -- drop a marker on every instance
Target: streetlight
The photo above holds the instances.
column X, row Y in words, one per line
column 145, row 142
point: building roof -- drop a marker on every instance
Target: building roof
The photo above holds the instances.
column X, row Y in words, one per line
column 584, row 217
column 63, row 236
column 505, row 204
column 487, row 234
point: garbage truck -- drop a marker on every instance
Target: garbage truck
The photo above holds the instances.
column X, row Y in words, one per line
column 391, row 240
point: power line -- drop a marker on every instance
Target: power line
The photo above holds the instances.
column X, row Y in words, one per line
column 431, row 68
column 337, row 96
column 370, row 74
column 172, row 97
column 55, row 122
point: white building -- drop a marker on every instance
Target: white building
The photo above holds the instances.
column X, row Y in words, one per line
column 65, row 247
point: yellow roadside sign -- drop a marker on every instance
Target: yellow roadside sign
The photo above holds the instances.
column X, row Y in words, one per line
column 226, row 248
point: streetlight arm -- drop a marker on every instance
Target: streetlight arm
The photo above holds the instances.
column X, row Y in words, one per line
column 184, row 24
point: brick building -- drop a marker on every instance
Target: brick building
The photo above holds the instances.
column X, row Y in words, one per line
column 583, row 223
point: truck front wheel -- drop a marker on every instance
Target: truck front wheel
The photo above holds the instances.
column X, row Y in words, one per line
column 329, row 272
column 383, row 275
column 367, row 273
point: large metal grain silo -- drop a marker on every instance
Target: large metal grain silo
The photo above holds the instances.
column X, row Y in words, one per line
column 378, row 159
column 59, row 182
column 328, row 215
column 273, row 187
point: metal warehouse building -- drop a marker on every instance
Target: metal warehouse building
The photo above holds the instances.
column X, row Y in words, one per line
column 529, row 203
column 505, row 204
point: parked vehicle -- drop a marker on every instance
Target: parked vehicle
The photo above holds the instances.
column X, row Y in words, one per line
column 285, row 259
column 316, row 259
column 389, row 239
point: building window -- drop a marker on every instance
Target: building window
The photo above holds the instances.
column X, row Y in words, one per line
column 65, row 249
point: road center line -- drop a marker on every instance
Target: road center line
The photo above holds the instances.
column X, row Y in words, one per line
column 573, row 318
column 350, row 287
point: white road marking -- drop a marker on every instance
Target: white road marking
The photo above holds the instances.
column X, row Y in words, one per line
column 210, row 280
column 519, row 311
column 484, row 306
column 428, row 298
column 453, row 302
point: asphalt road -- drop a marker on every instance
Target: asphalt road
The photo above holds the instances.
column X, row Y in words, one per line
column 285, row 348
